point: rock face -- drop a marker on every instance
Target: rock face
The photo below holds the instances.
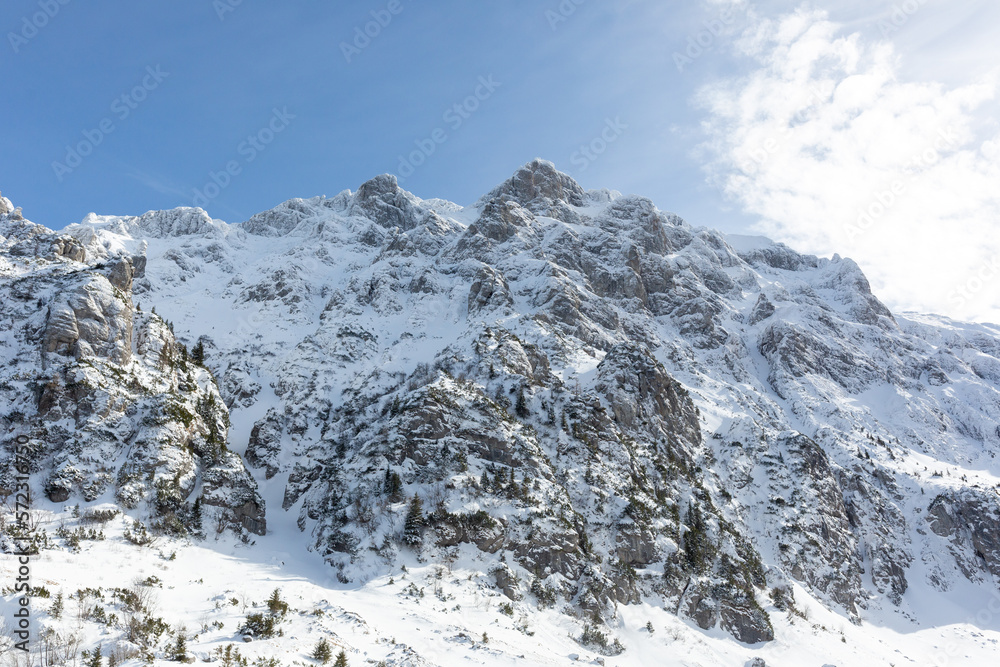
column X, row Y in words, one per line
column 603, row 403
column 970, row 520
column 107, row 397
column 91, row 318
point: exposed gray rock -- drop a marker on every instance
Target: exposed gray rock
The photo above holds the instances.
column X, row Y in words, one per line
column 382, row 201
column 70, row 248
column 90, row 319
column 489, row 290
column 280, row 220
column 537, row 185
column 265, row 444
column 970, row 520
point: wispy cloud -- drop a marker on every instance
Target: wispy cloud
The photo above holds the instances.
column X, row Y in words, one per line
column 157, row 183
column 835, row 152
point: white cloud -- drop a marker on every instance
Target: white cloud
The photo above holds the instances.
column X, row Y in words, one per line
column 835, row 153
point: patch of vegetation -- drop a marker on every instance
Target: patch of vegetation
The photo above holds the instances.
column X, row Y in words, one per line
column 593, row 637
column 262, row 626
column 178, row 413
column 138, row 534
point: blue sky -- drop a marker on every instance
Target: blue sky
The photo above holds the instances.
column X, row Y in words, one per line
column 266, row 90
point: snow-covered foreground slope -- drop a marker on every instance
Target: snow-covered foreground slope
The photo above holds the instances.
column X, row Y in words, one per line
column 432, row 614
column 582, row 413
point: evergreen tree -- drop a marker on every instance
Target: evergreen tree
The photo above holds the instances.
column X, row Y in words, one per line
column 178, row 652
column 414, row 525
column 198, row 353
column 393, row 483
column 196, row 516
column 57, row 606
column 521, row 407
column 341, row 660
column 697, row 543
column 322, row 652
column 276, row 605
column 94, row 659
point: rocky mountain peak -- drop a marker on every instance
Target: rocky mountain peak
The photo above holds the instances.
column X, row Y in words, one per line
column 280, row 220
column 382, row 201
column 183, row 221
column 537, row 186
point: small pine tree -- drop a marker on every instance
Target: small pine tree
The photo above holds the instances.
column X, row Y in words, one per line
column 276, row 605
column 521, row 406
column 393, row 483
column 196, row 516
column 322, row 652
column 94, row 659
column 198, row 353
column 414, row 525
column 697, row 544
column 57, row 606
column 178, row 652
column 341, row 660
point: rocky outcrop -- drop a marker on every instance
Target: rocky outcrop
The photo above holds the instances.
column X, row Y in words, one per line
column 265, row 444
column 92, row 318
column 382, row 201
column 970, row 520
column 538, row 186
column 109, row 399
column 489, row 291
column 817, row 545
column 174, row 223
column 281, row 220
column 640, row 393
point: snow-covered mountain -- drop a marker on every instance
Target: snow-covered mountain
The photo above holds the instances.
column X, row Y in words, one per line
column 594, row 410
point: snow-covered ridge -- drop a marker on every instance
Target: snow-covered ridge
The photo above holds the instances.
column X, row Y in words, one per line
column 600, row 405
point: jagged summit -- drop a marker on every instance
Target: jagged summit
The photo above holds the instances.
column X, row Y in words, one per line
column 538, row 184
